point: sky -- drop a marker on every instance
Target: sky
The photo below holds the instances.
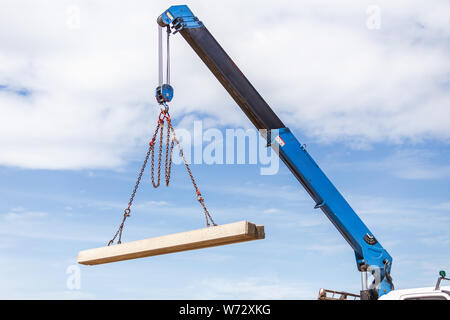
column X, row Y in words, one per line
column 364, row 85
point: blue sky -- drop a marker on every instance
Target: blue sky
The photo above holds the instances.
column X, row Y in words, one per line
column 77, row 110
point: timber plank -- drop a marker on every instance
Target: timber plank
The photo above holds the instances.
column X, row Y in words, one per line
column 191, row 240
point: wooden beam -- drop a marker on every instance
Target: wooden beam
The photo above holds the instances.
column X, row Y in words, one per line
column 191, row 240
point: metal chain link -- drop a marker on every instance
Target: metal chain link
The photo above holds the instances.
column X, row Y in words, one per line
column 160, row 129
column 197, row 191
column 168, row 163
column 167, row 170
column 127, row 211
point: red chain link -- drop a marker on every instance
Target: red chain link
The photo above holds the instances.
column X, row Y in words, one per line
column 163, row 117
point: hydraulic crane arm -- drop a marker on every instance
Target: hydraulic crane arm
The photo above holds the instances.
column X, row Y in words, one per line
column 370, row 255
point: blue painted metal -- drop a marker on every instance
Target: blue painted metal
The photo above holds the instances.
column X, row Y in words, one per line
column 336, row 208
column 370, row 255
column 180, row 16
column 164, row 93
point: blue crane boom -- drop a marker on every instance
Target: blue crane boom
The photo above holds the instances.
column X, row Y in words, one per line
column 371, row 257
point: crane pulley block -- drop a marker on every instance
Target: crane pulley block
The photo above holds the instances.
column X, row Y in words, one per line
column 164, row 93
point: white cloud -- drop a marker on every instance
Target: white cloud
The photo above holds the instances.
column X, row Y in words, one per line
column 252, row 288
column 23, row 216
column 390, row 215
column 409, row 164
column 50, row 295
column 417, row 165
column 263, row 191
column 271, row 211
column 329, row 249
column 91, row 89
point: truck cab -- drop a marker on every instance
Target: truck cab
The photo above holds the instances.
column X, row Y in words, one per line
column 437, row 293
column 429, row 293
